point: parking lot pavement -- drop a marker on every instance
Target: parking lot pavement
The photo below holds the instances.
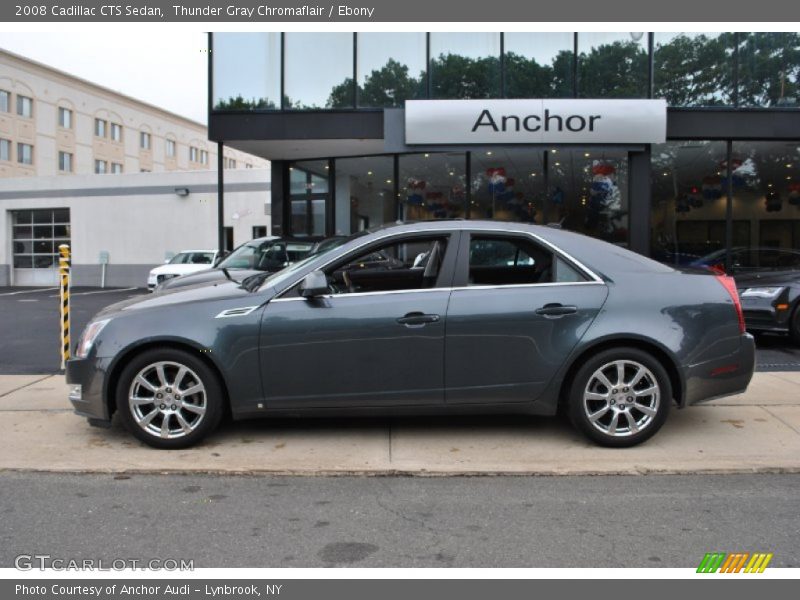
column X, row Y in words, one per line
column 32, row 325
column 755, row 432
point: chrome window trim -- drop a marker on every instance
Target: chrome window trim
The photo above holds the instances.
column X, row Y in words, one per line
column 447, row 289
column 595, row 279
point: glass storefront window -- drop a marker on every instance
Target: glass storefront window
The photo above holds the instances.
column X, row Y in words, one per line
column 391, row 68
column 769, row 69
column 694, row 69
column 318, row 70
column 247, row 71
column 507, row 184
column 689, row 201
column 465, row 65
column 364, row 193
column 432, row 186
column 612, row 65
column 308, row 197
column 539, row 65
column 587, row 191
column 766, row 197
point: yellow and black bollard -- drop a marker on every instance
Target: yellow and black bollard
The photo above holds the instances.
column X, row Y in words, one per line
column 63, row 269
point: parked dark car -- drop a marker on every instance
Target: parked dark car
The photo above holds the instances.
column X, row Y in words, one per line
column 448, row 317
column 768, row 280
column 266, row 254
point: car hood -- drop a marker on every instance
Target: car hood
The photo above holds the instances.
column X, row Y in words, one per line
column 767, row 278
column 205, row 276
column 170, row 269
column 222, row 290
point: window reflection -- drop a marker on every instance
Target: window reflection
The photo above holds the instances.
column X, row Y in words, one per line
column 694, row 69
column 247, row 71
column 465, row 65
column 318, row 70
column 612, row 65
column 769, row 69
column 391, row 68
column 364, row 193
column 689, row 201
column 539, row 65
column 587, row 191
column 432, row 186
column 507, row 184
column 766, row 196
column 308, row 195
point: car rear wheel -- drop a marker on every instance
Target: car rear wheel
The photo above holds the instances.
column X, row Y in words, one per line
column 620, row 397
column 169, row 399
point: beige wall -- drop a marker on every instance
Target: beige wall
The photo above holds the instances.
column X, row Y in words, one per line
column 51, row 89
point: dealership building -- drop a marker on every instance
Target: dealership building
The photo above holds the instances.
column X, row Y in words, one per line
column 675, row 145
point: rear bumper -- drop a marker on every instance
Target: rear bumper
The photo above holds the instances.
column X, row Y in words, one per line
column 723, row 376
column 88, row 400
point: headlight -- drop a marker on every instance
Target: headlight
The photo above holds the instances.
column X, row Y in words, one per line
column 761, row 292
column 88, row 337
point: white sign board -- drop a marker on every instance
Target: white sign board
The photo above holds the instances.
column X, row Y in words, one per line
column 536, row 121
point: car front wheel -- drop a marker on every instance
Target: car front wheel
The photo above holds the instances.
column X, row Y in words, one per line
column 169, row 399
column 620, row 397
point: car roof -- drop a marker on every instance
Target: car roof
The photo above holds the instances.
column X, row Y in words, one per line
column 204, row 251
column 599, row 256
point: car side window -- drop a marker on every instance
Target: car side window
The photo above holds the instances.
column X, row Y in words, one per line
column 404, row 265
column 497, row 260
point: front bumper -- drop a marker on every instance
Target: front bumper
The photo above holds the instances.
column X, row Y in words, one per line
column 724, row 376
column 761, row 314
column 89, row 399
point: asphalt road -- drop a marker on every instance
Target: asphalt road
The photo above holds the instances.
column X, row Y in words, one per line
column 30, row 329
column 633, row 521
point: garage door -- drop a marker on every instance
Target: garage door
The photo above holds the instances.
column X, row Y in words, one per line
column 36, row 236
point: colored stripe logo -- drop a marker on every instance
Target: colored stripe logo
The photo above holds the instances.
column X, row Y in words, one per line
column 737, row 562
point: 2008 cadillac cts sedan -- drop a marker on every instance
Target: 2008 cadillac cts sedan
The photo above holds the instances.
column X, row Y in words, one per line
column 438, row 317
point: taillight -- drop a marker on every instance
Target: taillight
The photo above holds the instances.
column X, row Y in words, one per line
column 729, row 284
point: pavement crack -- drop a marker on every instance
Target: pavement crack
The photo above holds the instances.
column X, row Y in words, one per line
column 781, row 420
column 22, row 387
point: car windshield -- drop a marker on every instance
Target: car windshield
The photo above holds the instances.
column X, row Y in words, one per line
column 267, row 255
column 192, row 258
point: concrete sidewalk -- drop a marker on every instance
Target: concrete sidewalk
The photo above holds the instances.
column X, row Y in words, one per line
column 755, row 432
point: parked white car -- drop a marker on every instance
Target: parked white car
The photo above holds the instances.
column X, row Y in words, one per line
column 187, row 261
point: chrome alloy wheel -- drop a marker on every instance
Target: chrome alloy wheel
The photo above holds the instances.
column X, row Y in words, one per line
column 621, row 398
column 167, row 400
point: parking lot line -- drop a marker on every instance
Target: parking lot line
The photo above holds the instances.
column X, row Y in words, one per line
column 28, row 291
column 108, row 291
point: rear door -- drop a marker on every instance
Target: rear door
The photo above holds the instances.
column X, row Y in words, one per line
column 516, row 312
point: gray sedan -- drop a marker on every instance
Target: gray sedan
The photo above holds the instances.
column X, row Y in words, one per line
column 455, row 317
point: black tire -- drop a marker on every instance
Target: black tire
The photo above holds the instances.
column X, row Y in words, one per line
column 211, row 398
column 794, row 325
column 618, row 401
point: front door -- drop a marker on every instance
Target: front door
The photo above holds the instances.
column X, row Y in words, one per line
column 515, row 321
column 377, row 339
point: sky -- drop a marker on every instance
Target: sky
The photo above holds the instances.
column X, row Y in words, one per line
column 169, row 70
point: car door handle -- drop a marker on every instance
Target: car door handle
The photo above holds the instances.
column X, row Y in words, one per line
column 417, row 319
column 556, row 310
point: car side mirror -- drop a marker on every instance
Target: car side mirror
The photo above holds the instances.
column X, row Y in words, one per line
column 314, row 284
